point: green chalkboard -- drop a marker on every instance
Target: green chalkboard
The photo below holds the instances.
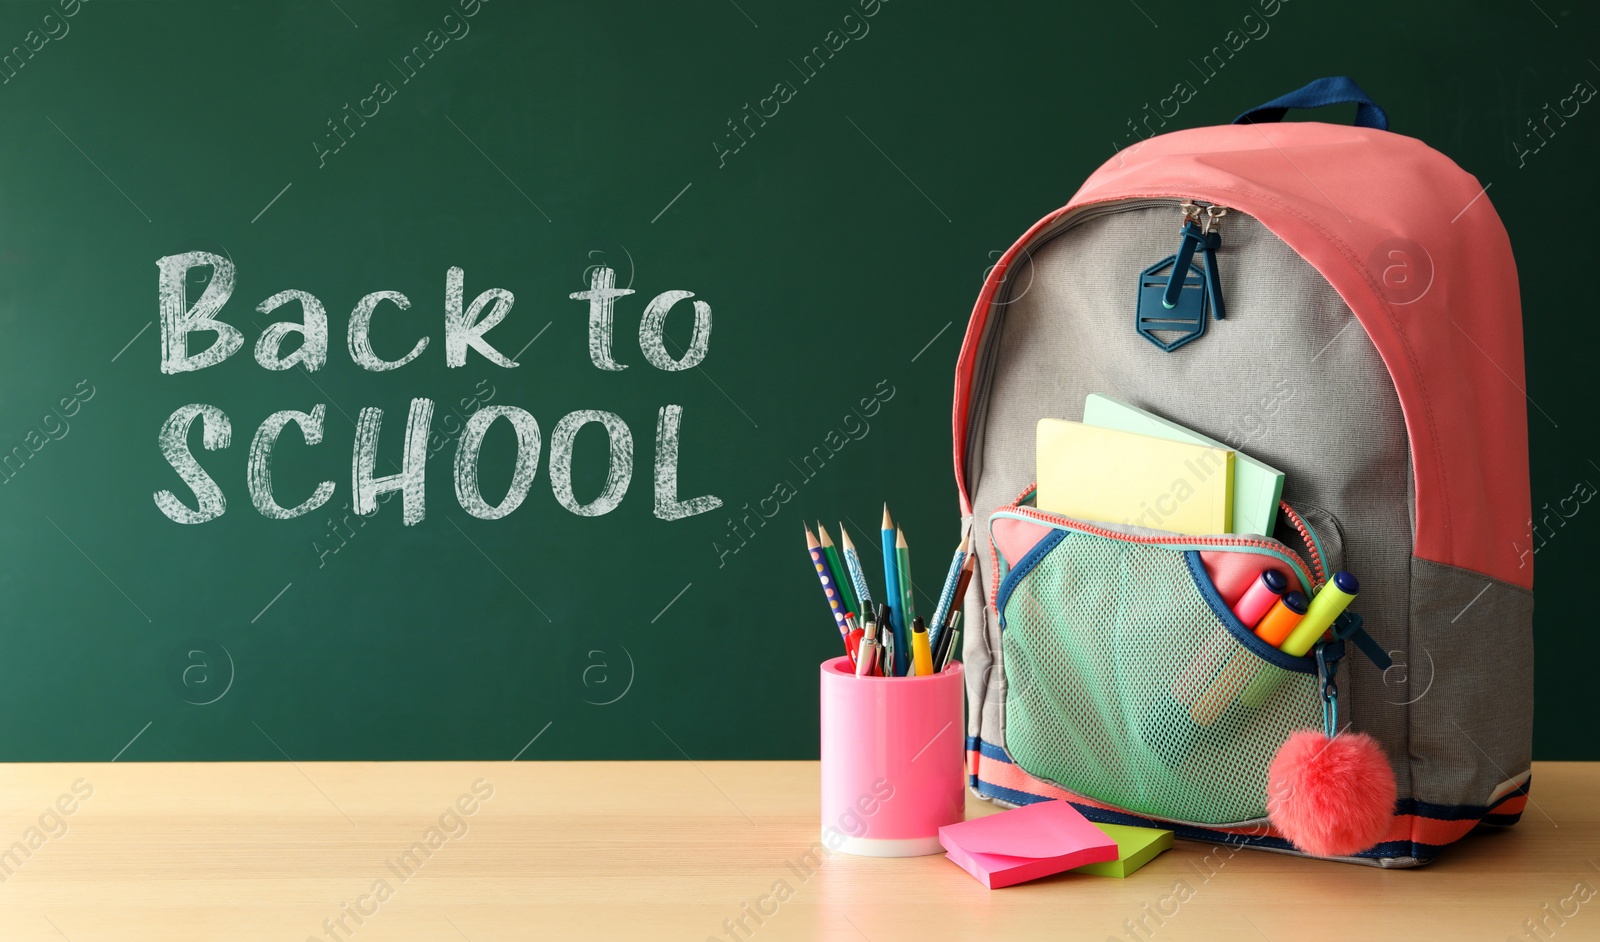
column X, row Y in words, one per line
column 828, row 180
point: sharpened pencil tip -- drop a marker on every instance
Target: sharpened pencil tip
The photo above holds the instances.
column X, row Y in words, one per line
column 888, row 524
column 900, row 539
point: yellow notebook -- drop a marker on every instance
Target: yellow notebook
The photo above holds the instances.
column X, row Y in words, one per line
column 1108, row 475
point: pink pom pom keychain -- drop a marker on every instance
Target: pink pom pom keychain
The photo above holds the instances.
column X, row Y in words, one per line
column 1332, row 794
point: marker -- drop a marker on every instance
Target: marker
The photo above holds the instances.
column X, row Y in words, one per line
column 1242, row 676
column 836, row 566
column 1239, row 671
column 1280, row 620
column 1260, row 597
column 828, row 586
column 1335, row 596
column 908, row 607
column 1278, row 625
column 852, row 562
column 1256, row 601
column 891, row 591
column 948, row 593
column 921, row 654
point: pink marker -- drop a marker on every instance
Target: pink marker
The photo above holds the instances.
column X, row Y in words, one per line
column 1260, row 597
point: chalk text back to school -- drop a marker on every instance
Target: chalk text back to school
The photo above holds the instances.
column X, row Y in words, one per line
column 465, row 326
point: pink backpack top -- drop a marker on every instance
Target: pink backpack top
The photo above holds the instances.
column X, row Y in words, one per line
column 1371, row 348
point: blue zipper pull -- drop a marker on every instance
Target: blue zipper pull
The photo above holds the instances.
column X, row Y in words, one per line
column 1349, row 626
column 1193, row 239
column 1213, row 241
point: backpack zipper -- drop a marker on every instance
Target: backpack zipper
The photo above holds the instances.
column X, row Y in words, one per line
column 1310, row 540
column 1273, row 547
column 1201, row 232
column 1206, row 215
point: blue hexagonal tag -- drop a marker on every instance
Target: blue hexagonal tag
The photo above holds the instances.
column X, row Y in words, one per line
column 1171, row 327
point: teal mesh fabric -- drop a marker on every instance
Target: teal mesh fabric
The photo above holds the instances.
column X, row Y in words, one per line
column 1124, row 686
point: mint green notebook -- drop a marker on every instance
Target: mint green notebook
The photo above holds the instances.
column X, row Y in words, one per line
column 1135, row 848
column 1257, row 487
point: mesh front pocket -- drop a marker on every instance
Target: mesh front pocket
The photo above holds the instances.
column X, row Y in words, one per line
column 1128, row 681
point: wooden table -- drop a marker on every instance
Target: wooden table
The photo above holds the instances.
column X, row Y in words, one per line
column 226, row 852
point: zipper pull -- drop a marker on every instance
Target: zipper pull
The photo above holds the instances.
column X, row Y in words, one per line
column 1213, row 240
column 1328, row 657
column 1349, row 626
column 1193, row 239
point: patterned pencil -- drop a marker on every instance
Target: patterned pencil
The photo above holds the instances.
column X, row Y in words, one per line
column 952, row 615
column 852, row 561
column 835, row 603
column 836, row 566
column 949, row 591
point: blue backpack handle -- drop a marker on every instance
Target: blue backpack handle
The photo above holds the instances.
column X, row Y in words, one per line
column 1334, row 90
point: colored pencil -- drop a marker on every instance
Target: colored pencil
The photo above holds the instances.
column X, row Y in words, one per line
column 852, row 561
column 891, row 593
column 902, row 554
column 829, row 588
column 836, row 566
column 948, row 592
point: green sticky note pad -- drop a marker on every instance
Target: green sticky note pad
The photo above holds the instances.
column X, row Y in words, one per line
column 1135, row 848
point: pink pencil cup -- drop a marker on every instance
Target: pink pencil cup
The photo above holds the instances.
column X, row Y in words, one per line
column 892, row 763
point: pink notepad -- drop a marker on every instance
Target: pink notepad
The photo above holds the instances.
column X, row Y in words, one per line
column 1026, row 843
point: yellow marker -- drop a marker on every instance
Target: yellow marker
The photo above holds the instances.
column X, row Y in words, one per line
column 1334, row 598
column 921, row 654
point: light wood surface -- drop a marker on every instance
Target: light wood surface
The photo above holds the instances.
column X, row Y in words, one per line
column 242, row 851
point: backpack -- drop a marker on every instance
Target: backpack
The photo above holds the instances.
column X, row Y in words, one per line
column 1353, row 321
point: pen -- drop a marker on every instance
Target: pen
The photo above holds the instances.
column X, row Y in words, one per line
column 885, row 641
column 948, row 639
column 950, row 649
column 867, row 653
